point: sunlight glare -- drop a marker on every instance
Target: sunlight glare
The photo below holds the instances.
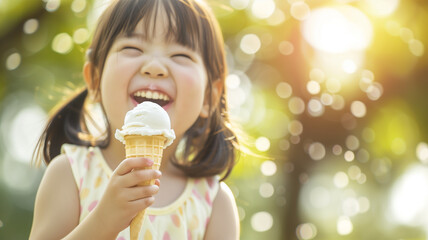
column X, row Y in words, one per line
column 349, row 66
column 381, row 8
column 338, row 29
column 408, row 203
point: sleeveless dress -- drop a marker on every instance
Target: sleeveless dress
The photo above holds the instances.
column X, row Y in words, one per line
column 186, row 218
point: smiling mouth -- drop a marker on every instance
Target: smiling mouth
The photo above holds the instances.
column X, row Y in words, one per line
column 152, row 96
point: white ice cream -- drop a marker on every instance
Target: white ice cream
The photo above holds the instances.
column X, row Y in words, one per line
column 147, row 119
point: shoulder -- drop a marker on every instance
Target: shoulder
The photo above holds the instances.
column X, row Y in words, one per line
column 74, row 151
column 56, row 210
column 224, row 216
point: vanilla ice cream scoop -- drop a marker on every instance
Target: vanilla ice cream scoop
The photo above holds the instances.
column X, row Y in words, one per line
column 147, row 119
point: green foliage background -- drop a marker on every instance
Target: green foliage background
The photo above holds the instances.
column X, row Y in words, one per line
column 390, row 136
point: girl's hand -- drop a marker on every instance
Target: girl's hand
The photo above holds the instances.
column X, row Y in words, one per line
column 123, row 198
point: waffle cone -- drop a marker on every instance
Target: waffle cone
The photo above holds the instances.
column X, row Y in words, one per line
column 148, row 147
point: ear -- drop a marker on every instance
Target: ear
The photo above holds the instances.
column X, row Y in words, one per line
column 217, row 89
column 88, row 69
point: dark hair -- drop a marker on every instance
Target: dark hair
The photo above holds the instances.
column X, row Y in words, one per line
column 210, row 144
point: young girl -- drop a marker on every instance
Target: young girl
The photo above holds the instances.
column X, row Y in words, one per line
column 169, row 52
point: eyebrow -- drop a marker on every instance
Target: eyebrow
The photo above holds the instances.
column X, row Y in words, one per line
column 134, row 35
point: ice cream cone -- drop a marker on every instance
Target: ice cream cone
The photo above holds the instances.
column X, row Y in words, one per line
column 146, row 132
column 149, row 147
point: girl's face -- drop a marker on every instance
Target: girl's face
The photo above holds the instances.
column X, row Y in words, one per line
column 155, row 69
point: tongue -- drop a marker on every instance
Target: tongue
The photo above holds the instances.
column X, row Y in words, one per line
column 157, row 101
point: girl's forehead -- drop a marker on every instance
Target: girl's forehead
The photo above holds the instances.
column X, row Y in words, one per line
column 169, row 21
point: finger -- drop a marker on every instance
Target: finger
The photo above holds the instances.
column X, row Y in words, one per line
column 139, row 177
column 128, row 164
column 142, row 203
column 140, row 192
column 157, row 182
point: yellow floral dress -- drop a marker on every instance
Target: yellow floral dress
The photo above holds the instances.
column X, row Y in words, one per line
column 186, row 218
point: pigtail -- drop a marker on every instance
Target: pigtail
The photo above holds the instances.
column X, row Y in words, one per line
column 64, row 126
column 211, row 146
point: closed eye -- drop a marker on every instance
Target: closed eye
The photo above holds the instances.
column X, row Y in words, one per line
column 131, row 49
column 183, row 55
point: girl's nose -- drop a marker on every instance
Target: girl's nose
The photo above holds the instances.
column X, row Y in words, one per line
column 154, row 69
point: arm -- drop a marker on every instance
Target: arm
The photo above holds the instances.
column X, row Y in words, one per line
column 57, row 207
column 56, row 210
column 224, row 223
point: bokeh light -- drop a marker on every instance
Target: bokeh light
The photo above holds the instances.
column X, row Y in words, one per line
column 262, row 221
column 352, row 142
column 315, row 107
column 337, row 150
column 317, row 151
column 78, row 6
column 358, row 109
column 422, row 152
column 266, row 190
column 296, row 105
column 239, row 4
column 262, row 144
column 13, row 61
column 313, row 87
column 295, row 127
column 300, row 10
column 349, row 156
column 52, row 5
column 268, row 168
column 31, row 26
column 331, row 96
column 277, row 17
column 284, row 90
column 416, row 47
column 62, row 43
column 286, row 48
column 341, row 180
column 306, row 231
column 81, row 35
column 263, row 9
column 250, row 43
column 344, row 226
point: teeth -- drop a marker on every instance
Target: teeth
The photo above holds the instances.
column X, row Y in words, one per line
column 149, row 94
column 152, row 95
